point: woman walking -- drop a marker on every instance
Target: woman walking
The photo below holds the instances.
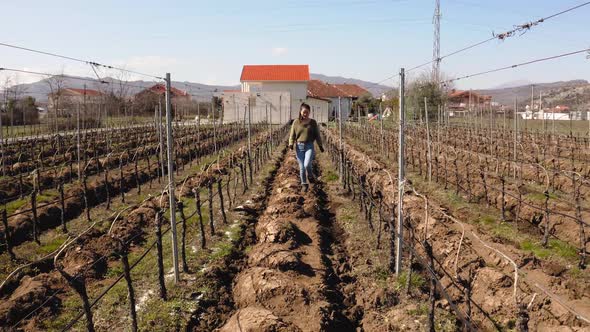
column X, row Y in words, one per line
column 304, row 132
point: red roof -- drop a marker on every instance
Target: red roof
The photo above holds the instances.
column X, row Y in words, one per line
column 561, row 108
column 352, row 90
column 161, row 89
column 275, row 73
column 465, row 94
column 231, row 91
column 457, row 93
column 321, row 89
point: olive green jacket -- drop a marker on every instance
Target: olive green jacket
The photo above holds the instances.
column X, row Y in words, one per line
column 305, row 133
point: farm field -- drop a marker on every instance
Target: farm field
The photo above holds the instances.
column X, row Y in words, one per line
column 490, row 242
column 89, row 208
column 579, row 128
column 241, row 166
column 503, row 220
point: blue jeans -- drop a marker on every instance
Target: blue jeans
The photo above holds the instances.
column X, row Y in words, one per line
column 305, row 154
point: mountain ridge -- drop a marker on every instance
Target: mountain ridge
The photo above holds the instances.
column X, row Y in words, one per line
column 507, row 95
column 40, row 89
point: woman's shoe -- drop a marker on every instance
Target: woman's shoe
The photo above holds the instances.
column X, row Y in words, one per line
column 305, row 187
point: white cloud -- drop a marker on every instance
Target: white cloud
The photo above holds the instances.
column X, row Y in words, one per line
column 278, row 51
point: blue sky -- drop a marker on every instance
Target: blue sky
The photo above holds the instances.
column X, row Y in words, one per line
column 209, row 41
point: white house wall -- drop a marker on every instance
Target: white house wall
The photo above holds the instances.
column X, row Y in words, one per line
column 298, row 92
column 346, row 107
column 265, row 107
column 319, row 109
column 556, row 116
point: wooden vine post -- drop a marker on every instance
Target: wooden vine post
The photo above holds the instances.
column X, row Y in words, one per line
column 431, row 295
column 582, row 250
column 123, row 252
column 546, row 228
column 160, row 256
column 220, row 192
column 183, row 236
column 35, row 219
column 7, row 235
column 200, row 215
column 63, row 207
column 78, row 283
column 121, row 179
column 86, row 201
column 210, row 199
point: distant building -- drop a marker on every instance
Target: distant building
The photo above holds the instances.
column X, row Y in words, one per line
column 269, row 93
column 329, row 93
column 275, row 93
column 145, row 100
column 559, row 112
column 70, row 97
column 461, row 101
column 288, row 79
column 340, row 95
column 160, row 90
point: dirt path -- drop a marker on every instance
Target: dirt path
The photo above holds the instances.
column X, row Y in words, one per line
column 289, row 282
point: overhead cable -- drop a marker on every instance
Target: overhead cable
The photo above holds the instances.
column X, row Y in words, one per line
column 92, row 63
column 516, row 65
column 522, row 28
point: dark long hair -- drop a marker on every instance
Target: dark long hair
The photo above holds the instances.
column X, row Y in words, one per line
column 303, row 106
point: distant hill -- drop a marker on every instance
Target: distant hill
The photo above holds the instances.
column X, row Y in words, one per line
column 513, row 84
column 376, row 89
column 41, row 89
column 556, row 92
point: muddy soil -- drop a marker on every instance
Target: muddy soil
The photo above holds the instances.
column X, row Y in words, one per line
column 461, row 250
column 217, row 306
column 86, row 258
column 288, row 281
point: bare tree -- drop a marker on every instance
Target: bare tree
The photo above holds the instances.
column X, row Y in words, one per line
column 423, row 86
column 122, row 89
column 12, row 95
column 56, row 85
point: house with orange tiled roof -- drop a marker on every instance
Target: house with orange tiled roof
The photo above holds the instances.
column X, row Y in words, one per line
column 268, row 93
column 160, row 90
column 352, row 90
column 289, row 79
column 340, row 95
column 69, row 97
column 462, row 101
column 277, row 91
column 145, row 100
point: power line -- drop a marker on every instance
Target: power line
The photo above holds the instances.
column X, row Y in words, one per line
column 62, row 75
column 92, row 63
column 567, row 10
column 516, row 65
column 52, row 75
column 76, row 78
column 502, row 36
